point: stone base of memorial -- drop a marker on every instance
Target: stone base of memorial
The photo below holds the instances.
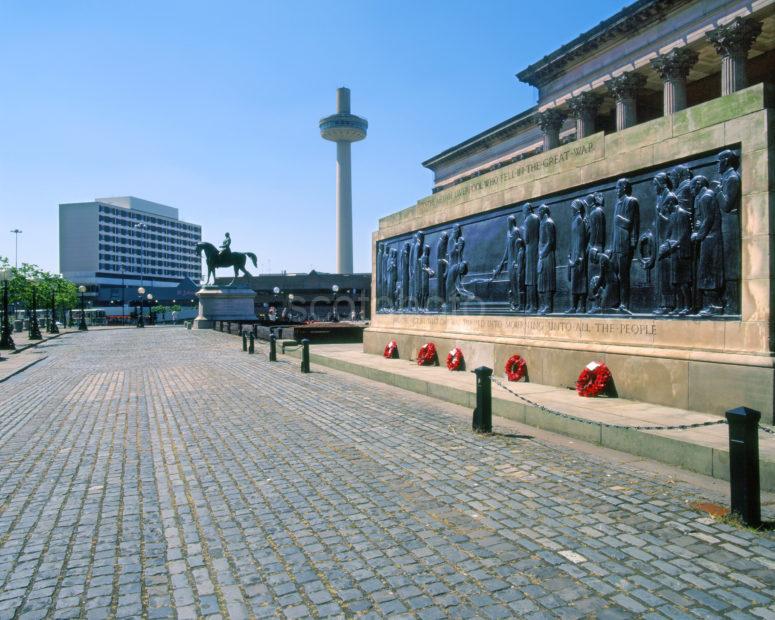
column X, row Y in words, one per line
column 698, row 331
column 224, row 303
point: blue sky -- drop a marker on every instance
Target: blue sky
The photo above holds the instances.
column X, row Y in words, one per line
column 213, row 107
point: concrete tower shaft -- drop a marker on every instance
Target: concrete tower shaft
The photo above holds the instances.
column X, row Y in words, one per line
column 343, row 128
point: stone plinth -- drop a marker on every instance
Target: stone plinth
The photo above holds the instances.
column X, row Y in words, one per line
column 224, row 303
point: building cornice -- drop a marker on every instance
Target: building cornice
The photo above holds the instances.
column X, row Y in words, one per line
column 630, row 19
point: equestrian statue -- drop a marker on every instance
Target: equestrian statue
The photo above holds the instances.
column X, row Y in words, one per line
column 224, row 258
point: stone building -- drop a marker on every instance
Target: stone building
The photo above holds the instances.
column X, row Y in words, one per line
column 657, row 126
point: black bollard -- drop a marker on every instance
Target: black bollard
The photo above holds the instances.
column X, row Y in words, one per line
column 244, row 342
column 305, row 355
column 482, row 421
column 744, row 464
column 252, row 344
column 272, row 347
column 221, row 325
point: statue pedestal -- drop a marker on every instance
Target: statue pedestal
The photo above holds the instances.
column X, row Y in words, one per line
column 224, row 303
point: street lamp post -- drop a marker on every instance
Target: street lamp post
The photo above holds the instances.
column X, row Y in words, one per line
column 16, row 232
column 291, row 297
column 34, row 333
column 52, row 323
column 6, row 340
column 141, row 293
column 82, row 323
column 335, row 289
column 149, row 297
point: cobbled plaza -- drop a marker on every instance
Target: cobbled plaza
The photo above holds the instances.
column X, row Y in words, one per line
column 164, row 473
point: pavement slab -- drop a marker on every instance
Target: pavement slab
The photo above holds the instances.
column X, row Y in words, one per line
column 163, row 472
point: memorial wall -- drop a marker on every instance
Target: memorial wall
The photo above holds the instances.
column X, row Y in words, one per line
column 648, row 248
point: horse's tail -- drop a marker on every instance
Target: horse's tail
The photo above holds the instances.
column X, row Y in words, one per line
column 252, row 257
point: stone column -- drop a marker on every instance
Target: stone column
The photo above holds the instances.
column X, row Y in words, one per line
column 625, row 89
column 550, row 121
column 583, row 107
column 732, row 42
column 673, row 68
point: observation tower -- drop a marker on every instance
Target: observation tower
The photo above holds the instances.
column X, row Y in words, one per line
column 343, row 128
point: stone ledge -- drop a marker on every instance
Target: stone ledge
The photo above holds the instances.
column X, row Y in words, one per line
column 702, row 451
column 650, row 350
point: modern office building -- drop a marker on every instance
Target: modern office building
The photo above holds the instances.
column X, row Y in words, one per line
column 115, row 245
column 127, row 240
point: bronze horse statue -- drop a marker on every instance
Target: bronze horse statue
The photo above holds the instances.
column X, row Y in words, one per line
column 232, row 259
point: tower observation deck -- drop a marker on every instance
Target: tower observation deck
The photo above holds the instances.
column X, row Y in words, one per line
column 343, row 128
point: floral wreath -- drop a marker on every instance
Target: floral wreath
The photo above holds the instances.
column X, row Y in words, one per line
column 455, row 358
column 426, row 356
column 593, row 379
column 391, row 350
column 516, row 367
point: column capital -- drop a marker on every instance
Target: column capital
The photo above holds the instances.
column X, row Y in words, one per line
column 626, row 85
column 551, row 119
column 584, row 103
column 736, row 37
column 675, row 64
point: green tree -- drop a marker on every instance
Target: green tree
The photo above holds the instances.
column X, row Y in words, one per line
column 27, row 276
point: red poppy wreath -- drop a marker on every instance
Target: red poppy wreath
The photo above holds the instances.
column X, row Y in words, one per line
column 426, row 356
column 593, row 380
column 455, row 359
column 516, row 367
column 391, row 350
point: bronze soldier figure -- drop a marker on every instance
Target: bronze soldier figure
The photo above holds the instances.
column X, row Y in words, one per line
column 529, row 233
column 666, row 202
column 727, row 189
column 508, row 262
column 442, row 264
column 677, row 249
column 577, row 259
column 625, row 238
column 547, row 262
column 379, row 276
column 710, row 267
column 405, row 278
column 415, row 258
column 595, row 223
column 392, row 279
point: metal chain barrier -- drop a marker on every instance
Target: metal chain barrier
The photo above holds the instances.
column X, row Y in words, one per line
column 607, row 424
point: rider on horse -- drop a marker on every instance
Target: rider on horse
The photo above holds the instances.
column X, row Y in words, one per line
column 225, row 247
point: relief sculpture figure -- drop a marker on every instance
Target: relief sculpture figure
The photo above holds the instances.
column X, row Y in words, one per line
column 509, row 262
column 595, row 223
column 392, row 279
column 577, row 259
column 681, row 176
column 547, row 262
column 404, row 295
column 379, row 276
column 441, row 269
column 605, row 287
column 625, row 238
column 425, row 278
column 456, row 269
column 666, row 202
column 415, row 258
column 677, row 252
column 727, row 188
column 529, row 233
column 710, row 265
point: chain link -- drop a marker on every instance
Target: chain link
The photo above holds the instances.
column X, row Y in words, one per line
column 607, row 424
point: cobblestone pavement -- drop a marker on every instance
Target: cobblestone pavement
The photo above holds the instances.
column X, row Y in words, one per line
column 164, row 473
